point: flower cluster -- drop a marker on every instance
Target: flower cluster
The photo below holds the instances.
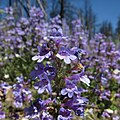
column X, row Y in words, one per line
column 2, row 114
column 54, row 76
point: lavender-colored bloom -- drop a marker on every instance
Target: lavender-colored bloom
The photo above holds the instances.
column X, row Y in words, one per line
column 31, row 112
column 49, row 71
column 80, row 111
column 66, row 55
column 78, row 52
column 27, row 95
column 21, row 94
column 105, row 114
column 9, row 10
column 18, row 103
column 104, row 81
column 2, row 115
column 18, row 86
column 34, row 110
column 5, row 86
column 71, row 89
column 43, row 85
column 24, row 21
column 44, row 52
column 64, row 114
column 46, row 116
column 20, row 32
column 78, row 105
column 116, row 118
column 105, row 95
column 80, row 101
column 41, row 70
column 35, row 12
column 20, row 79
column 117, row 95
column 80, row 77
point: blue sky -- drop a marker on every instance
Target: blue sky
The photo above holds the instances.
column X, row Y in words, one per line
column 104, row 9
column 107, row 10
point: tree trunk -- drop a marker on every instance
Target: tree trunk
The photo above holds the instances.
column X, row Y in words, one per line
column 24, row 7
column 62, row 9
column 10, row 3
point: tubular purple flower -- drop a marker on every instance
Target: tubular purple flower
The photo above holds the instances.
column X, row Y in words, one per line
column 43, row 85
column 70, row 90
column 64, row 114
column 44, row 52
column 66, row 55
column 2, row 115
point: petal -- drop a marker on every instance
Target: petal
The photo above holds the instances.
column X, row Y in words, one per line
column 72, row 57
column 70, row 95
column 36, row 87
column 63, row 92
column 35, row 57
column 41, row 90
column 67, row 60
column 60, row 117
column 48, row 55
column 60, row 56
column 84, row 79
column 41, row 58
column 49, row 88
column 80, row 101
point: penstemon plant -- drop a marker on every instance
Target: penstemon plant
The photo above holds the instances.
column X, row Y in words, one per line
column 57, row 78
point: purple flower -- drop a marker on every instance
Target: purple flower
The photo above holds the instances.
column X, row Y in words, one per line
column 105, row 95
column 79, row 111
column 64, row 114
column 35, row 12
column 5, row 86
column 44, row 52
column 21, row 94
column 9, row 10
column 20, row 79
column 34, row 110
column 2, row 115
column 80, row 77
column 41, row 70
column 66, row 55
column 46, row 116
column 105, row 114
column 27, row 94
column 18, row 103
column 70, row 89
column 43, row 85
column 78, row 52
column 78, row 105
column 50, row 71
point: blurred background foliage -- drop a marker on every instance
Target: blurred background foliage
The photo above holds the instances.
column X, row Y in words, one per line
column 66, row 9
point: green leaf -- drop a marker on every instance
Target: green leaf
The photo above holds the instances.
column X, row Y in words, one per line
column 1, row 11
